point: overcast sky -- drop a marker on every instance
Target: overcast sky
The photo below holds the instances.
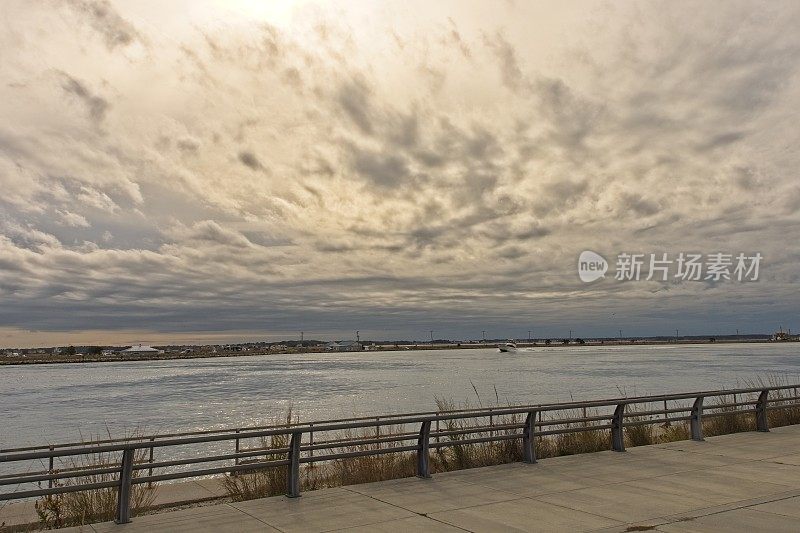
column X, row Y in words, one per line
column 200, row 170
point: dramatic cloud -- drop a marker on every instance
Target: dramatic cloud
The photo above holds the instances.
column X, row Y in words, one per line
column 101, row 15
column 255, row 168
column 72, row 219
column 95, row 105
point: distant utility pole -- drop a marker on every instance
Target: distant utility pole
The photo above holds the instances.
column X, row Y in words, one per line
column 431, row 336
column 484, row 335
column 570, row 334
column 620, row 334
column 676, row 336
column 358, row 338
column 529, row 335
column 302, row 333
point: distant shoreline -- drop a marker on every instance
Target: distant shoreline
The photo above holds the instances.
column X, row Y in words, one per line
column 44, row 359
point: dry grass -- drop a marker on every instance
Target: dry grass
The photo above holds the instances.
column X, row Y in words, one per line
column 460, row 455
column 734, row 421
column 90, row 506
column 264, row 482
column 780, row 417
column 353, row 470
column 455, row 456
column 587, row 441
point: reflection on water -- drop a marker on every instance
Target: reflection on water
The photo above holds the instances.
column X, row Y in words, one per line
column 55, row 403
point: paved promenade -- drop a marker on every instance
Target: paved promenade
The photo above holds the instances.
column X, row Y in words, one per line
column 742, row 482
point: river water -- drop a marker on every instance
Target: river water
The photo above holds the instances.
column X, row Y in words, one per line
column 42, row 404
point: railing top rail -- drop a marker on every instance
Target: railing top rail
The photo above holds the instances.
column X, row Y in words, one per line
column 360, row 422
column 384, row 417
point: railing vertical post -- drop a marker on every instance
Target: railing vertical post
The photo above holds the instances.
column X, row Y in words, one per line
column 378, row 430
column 762, row 422
column 293, row 478
column 666, row 415
column 311, row 442
column 150, row 460
column 423, row 450
column 491, row 423
column 236, row 449
column 125, row 487
column 529, row 439
column 50, row 469
column 696, row 421
column 617, row 429
column 437, row 428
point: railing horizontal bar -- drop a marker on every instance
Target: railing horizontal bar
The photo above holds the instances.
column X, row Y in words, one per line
column 57, row 490
column 209, row 471
column 359, row 442
column 577, row 429
column 64, row 469
column 656, row 421
column 576, row 420
column 658, row 412
column 58, row 475
column 727, row 405
column 475, row 429
column 350, row 455
column 147, row 438
column 117, row 440
column 333, row 443
column 209, row 459
column 464, row 442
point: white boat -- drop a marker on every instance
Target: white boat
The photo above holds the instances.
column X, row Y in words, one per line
column 507, row 347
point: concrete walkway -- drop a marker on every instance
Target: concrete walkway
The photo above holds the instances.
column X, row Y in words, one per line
column 741, row 482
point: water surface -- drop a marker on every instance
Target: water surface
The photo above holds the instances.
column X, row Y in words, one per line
column 55, row 403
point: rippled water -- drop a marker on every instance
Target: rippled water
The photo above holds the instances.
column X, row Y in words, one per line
column 55, row 403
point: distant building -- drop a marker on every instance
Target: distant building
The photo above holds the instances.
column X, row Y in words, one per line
column 233, row 348
column 344, row 346
column 108, row 353
column 141, row 349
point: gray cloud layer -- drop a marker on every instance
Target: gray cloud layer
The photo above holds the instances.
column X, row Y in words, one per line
column 245, row 171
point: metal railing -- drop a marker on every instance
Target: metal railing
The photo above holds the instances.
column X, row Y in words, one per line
column 523, row 423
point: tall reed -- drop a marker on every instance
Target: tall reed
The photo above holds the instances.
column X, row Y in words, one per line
column 96, row 505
